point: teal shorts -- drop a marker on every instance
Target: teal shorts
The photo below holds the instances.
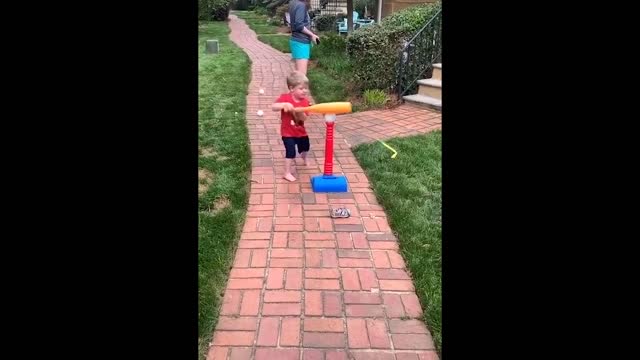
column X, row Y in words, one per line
column 299, row 50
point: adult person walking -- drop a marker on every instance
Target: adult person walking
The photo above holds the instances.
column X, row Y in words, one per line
column 301, row 35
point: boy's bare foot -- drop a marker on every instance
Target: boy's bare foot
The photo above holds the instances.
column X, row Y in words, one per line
column 289, row 177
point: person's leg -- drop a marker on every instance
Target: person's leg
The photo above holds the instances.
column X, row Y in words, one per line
column 303, row 155
column 303, row 148
column 290, row 154
column 301, row 65
column 300, row 53
column 289, row 166
column 294, row 167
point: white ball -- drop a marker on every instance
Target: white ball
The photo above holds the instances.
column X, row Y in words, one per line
column 261, row 91
column 260, row 112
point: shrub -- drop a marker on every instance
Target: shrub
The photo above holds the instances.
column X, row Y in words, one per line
column 374, row 98
column 281, row 12
column 327, row 22
column 274, row 21
column 213, row 9
column 241, row 5
column 333, row 43
column 273, row 5
column 374, row 50
column 412, row 18
column 331, row 54
column 260, row 10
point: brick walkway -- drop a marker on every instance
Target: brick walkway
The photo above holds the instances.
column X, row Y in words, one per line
column 305, row 286
column 405, row 120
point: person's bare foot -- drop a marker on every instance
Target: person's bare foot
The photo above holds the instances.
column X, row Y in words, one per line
column 289, row 177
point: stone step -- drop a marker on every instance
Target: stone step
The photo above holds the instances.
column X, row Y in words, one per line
column 437, row 72
column 424, row 101
column 430, row 87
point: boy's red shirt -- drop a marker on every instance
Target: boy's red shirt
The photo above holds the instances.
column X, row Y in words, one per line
column 286, row 129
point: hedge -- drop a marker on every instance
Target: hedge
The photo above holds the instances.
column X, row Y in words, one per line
column 213, row 9
column 374, row 50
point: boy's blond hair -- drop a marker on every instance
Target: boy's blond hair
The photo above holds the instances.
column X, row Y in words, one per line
column 296, row 78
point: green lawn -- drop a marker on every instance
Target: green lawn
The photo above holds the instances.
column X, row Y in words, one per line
column 410, row 189
column 331, row 57
column 329, row 78
column 264, row 29
column 257, row 23
column 224, row 168
column 326, row 88
column 278, row 42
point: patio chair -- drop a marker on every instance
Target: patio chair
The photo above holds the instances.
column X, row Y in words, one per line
column 343, row 25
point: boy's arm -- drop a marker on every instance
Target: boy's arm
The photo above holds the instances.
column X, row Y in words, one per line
column 282, row 106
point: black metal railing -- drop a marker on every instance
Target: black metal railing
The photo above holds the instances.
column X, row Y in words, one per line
column 418, row 56
column 324, row 8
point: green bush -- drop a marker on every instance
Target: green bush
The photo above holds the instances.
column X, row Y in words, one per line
column 260, row 10
column 274, row 21
column 331, row 54
column 333, row 44
column 241, row 5
column 374, row 98
column 412, row 18
column 275, row 4
column 327, row 22
column 280, row 13
column 213, row 9
column 374, row 50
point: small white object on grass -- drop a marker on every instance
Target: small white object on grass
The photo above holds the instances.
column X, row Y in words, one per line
column 261, row 91
column 260, row 112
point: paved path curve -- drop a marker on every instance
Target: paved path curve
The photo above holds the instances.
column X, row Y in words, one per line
column 305, row 286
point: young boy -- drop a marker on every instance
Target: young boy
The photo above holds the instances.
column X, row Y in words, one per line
column 292, row 127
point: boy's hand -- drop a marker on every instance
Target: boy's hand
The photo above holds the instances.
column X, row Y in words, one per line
column 299, row 117
column 287, row 107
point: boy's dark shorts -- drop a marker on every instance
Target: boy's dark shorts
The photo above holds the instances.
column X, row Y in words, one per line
column 290, row 145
